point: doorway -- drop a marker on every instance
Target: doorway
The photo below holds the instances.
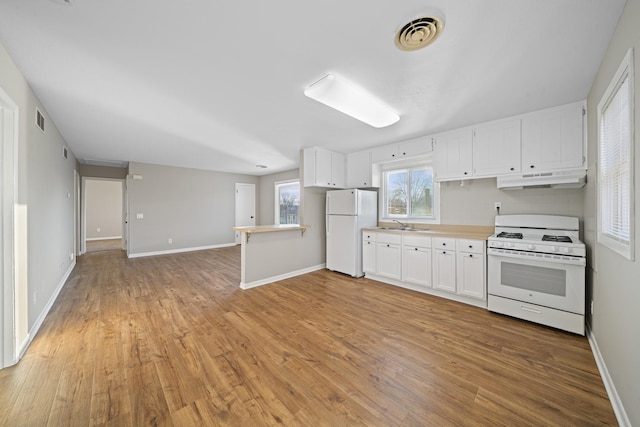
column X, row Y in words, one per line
column 103, row 214
column 10, row 256
column 245, row 207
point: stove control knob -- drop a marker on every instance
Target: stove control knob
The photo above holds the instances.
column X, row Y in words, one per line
column 498, row 244
column 554, row 249
column 531, row 247
column 566, row 250
column 511, row 245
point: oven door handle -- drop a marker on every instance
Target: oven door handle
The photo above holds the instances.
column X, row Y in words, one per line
column 529, row 309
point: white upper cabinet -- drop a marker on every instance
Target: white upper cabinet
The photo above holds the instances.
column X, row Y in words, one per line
column 553, row 139
column 453, row 155
column 359, row 170
column 496, row 148
column 323, row 168
column 401, row 150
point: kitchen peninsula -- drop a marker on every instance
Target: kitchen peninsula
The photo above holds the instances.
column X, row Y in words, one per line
column 270, row 253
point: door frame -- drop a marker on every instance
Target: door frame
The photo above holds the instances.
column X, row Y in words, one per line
column 83, row 231
column 9, row 256
column 238, row 235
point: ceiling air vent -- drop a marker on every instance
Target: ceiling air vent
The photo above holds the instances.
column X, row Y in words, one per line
column 40, row 120
column 419, row 33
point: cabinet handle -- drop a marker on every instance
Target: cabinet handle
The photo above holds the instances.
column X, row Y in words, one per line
column 415, row 249
column 404, row 154
column 511, row 169
column 387, row 245
column 470, row 246
column 465, row 173
column 470, row 255
column 532, row 166
column 393, row 155
column 444, row 252
column 444, row 244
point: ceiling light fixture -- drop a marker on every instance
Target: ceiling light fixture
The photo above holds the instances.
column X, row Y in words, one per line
column 351, row 100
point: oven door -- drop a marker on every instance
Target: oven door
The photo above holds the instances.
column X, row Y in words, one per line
column 555, row 281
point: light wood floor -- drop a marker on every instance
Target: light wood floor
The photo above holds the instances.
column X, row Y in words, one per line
column 104, row 245
column 171, row 340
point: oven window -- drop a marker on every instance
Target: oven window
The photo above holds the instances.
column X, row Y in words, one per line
column 531, row 278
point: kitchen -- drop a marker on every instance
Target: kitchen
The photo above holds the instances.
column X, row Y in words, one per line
column 610, row 282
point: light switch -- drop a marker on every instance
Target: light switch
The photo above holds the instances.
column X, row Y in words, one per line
column 139, row 216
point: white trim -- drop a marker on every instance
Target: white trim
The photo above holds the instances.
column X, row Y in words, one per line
column 43, row 314
column 279, row 277
column 625, row 69
column 83, row 208
column 9, row 255
column 103, row 238
column 179, row 251
column 614, row 398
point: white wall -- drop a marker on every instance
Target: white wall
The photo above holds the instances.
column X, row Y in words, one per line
column 103, row 206
column 613, row 280
column 45, row 205
column 195, row 208
column 473, row 203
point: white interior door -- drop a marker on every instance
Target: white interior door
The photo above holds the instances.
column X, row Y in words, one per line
column 245, row 207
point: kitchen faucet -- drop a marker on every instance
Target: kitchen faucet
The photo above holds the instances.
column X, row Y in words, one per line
column 402, row 224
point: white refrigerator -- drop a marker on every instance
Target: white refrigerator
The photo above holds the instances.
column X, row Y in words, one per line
column 348, row 211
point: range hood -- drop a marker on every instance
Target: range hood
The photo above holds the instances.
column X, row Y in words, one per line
column 564, row 179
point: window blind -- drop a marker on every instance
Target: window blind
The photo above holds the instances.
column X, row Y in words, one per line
column 615, row 163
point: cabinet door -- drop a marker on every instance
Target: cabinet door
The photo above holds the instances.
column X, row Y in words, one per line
column 338, row 165
column 385, row 153
column 415, row 147
column 322, row 165
column 369, row 256
column 453, row 155
column 388, row 257
column 496, row 149
column 416, row 265
column 359, row 169
column 444, row 270
column 553, row 139
column 471, row 275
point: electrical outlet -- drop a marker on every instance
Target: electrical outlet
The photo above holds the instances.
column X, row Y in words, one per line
column 497, row 205
column 139, row 216
column 170, row 241
column 98, row 229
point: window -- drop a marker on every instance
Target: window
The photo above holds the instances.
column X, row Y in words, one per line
column 409, row 193
column 287, row 202
column 615, row 162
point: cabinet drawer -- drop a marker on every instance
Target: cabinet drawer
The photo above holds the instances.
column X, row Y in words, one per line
column 367, row 235
column 394, row 239
column 417, row 241
column 444, row 243
column 472, row 246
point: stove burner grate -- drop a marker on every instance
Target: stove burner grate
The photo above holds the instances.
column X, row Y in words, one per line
column 562, row 239
column 508, row 235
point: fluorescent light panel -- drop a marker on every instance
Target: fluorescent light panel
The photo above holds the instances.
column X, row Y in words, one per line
column 351, row 100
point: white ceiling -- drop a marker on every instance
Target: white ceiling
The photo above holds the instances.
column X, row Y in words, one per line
column 219, row 85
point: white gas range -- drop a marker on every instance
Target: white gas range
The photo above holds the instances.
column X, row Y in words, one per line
column 536, row 270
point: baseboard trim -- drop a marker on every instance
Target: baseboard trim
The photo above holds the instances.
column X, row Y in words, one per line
column 614, row 398
column 178, row 251
column 92, row 239
column 36, row 326
column 281, row 277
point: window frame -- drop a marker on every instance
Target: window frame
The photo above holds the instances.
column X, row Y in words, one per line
column 408, row 165
column 276, row 185
column 618, row 245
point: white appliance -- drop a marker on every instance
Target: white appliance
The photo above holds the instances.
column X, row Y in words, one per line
column 536, row 270
column 564, row 179
column 348, row 211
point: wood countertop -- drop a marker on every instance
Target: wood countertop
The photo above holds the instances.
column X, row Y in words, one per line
column 476, row 232
column 271, row 228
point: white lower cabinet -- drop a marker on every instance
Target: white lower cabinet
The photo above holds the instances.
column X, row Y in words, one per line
column 455, row 267
column 369, row 252
column 416, row 260
column 389, row 255
column 471, row 268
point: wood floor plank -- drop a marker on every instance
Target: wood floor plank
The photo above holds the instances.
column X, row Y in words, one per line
column 172, row 340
